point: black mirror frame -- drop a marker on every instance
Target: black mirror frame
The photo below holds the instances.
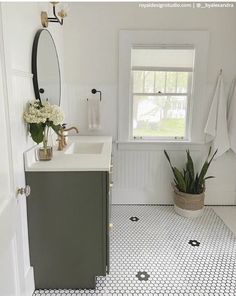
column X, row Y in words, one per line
column 34, row 64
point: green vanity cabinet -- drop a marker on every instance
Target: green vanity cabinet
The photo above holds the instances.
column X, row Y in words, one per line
column 68, row 221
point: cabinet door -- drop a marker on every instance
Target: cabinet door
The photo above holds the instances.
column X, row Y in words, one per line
column 66, row 228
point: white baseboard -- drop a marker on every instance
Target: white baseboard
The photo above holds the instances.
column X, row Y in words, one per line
column 131, row 196
column 220, row 197
column 126, row 196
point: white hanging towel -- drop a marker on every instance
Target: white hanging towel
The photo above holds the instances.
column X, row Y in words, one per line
column 232, row 116
column 216, row 129
column 94, row 114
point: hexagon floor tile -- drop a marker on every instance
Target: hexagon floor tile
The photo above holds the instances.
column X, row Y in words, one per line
column 154, row 256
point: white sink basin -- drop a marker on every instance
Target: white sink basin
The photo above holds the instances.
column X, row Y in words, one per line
column 85, row 148
column 83, row 153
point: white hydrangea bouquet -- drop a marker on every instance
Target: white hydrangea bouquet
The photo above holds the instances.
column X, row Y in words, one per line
column 41, row 116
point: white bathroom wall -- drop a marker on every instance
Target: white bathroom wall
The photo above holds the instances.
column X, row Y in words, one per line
column 141, row 174
column 20, row 23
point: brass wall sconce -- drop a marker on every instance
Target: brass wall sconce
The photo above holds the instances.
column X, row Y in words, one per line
column 45, row 19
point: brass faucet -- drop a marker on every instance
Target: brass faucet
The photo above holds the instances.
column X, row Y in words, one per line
column 71, row 128
column 62, row 139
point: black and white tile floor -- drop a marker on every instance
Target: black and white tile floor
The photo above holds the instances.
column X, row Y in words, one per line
column 160, row 253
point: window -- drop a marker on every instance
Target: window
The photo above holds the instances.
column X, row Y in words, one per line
column 166, row 51
column 161, row 83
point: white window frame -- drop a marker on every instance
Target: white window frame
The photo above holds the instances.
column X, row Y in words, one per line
column 198, row 40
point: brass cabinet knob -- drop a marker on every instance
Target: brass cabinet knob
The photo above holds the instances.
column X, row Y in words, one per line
column 110, row 225
column 24, row 190
column 111, row 184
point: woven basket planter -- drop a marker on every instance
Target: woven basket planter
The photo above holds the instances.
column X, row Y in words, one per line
column 188, row 205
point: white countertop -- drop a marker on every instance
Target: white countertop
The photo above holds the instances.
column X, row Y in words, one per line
column 62, row 161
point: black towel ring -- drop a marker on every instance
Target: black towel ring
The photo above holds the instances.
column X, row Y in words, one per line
column 94, row 91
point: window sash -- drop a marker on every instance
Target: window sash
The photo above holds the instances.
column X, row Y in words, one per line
column 174, row 137
column 186, row 136
column 154, row 92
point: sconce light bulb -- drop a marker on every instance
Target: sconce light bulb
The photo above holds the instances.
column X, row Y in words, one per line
column 62, row 13
column 65, row 7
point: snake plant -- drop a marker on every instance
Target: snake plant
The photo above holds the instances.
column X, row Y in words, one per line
column 186, row 180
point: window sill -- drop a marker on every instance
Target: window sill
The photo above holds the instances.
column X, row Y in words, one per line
column 158, row 145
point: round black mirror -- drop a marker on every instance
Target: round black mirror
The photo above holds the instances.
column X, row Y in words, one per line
column 45, row 68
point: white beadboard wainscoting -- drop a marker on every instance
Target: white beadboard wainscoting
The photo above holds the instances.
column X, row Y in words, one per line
column 142, row 174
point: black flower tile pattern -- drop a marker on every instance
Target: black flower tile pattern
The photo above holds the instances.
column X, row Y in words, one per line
column 134, row 219
column 157, row 245
column 194, row 243
column 142, row 275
